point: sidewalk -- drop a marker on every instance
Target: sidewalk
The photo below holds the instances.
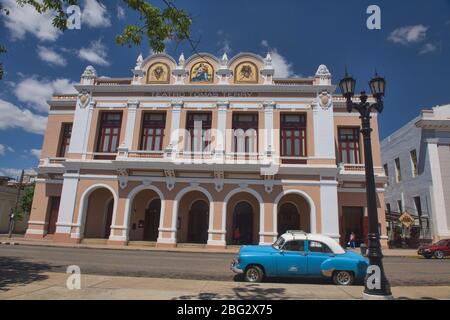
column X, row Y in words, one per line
column 19, row 240
column 53, row 286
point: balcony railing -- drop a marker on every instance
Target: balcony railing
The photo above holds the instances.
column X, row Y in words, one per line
column 294, row 160
column 351, row 168
column 46, row 162
column 146, row 154
column 243, row 156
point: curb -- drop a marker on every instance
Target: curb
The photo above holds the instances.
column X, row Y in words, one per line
column 9, row 243
column 149, row 249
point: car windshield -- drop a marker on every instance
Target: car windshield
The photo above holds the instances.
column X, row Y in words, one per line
column 279, row 243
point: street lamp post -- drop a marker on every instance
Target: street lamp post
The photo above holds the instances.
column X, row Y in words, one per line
column 376, row 285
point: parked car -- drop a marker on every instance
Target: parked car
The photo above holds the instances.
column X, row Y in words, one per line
column 439, row 250
column 298, row 254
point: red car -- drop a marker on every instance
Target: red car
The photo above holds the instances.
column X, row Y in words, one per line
column 439, row 250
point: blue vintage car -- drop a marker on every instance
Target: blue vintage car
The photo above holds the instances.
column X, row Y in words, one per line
column 297, row 254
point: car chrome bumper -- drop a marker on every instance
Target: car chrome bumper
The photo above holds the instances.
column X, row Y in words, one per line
column 235, row 268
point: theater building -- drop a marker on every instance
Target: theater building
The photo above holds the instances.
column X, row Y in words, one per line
column 205, row 150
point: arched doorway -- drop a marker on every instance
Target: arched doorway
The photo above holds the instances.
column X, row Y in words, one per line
column 243, row 213
column 198, row 222
column 99, row 213
column 293, row 213
column 151, row 221
column 288, row 218
column 144, row 216
column 243, row 223
column 193, row 217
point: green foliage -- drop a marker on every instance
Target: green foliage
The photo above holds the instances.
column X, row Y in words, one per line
column 58, row 6
column 158, row 25
column 25, row 202
column 2, row 48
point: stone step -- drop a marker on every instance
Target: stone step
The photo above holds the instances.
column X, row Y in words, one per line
column 142, row 243
column 191, row 245
column 95, row 241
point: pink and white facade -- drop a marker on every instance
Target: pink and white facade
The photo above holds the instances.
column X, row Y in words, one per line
column 205, row 150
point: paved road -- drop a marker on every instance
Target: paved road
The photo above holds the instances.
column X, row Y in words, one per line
column 28, row 262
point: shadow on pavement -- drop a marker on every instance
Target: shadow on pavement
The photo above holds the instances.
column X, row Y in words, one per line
column 16, row 272
column 295, row 280
column 250, row 292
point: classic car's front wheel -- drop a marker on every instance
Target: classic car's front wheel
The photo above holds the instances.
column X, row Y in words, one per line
column 343, row 278
column 254, row 274
column 439, row 254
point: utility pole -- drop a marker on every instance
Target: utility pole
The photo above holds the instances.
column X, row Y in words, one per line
column 12, row 217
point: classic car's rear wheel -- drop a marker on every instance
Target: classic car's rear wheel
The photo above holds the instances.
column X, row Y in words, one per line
column 439, row 254
column 254, row 274
column 343, row 278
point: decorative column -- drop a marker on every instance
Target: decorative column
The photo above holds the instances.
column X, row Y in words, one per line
column 168, row 224
column 133, row 105
column 439, row 219
column 268, row 130
column 224, row 73
column 138, row 73
column 66, row 209
column 329, row 213
column 323, row 118
column 172, row 148
column 179, row 73
column 268, row 71
column 83, row 115
column 222, row 110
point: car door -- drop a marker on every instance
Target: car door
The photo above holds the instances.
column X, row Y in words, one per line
column 291, row 259
column 317, row 253
column 447, row 249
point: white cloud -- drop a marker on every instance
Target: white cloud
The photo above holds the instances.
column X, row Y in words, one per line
column 15, row 117
column 95, row 14
column 224, row 42
column 36, row 153
column 283, row 68
column 427, row 48
column 409, row 34
column 95, row 53
column 120, row 13
column 50, row 56
column 4, row 148
column 23, row 20
column 36, row 93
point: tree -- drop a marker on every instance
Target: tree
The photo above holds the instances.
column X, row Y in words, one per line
column 25, row 202
column 156, row 24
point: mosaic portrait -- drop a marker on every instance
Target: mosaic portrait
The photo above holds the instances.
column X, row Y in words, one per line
column 158, row 73
column 246, row 72
column 202, row 72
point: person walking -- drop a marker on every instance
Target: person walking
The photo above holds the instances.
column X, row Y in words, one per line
column 352, row 240
column 236, row 235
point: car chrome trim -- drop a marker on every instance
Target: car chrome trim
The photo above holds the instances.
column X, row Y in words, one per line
column 235, row 269
column 328, row 273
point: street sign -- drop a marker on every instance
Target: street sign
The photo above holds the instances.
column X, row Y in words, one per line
column 406, row 219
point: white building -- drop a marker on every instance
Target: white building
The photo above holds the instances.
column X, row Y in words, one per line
column 416, row 159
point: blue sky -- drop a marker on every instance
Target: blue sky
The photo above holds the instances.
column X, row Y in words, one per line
column 412, row 50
